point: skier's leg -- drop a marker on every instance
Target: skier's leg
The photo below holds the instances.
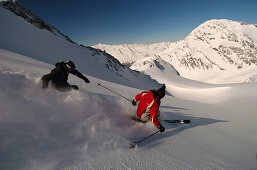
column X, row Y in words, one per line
column 145, row 117
column 74, row 87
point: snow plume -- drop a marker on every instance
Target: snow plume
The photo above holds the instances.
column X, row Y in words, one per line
column 39, row 126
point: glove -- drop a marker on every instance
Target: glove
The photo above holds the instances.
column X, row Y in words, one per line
column 134, row 103
column 86, row 80
column 162, row 129
column 75, row 87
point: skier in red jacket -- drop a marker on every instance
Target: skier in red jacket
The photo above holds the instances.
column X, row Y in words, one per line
column 148, row 106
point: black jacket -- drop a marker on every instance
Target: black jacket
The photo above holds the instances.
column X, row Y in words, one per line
column 59, row 77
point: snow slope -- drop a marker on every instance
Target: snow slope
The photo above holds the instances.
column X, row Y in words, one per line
column 91, row 129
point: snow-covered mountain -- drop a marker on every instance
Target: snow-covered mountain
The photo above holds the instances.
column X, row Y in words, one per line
column 220, row 46
column 24, row 33
column 252, row 79
column 26, row 14
column 153, row 63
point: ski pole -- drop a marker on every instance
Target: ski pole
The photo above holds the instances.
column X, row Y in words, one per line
column 114, row 92
column 133, row 144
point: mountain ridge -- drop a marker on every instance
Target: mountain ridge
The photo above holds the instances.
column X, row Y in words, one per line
column 27, row 36
column 18, row 9
column 216, row 45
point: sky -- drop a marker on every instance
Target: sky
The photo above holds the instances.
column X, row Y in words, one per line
column 90, row 22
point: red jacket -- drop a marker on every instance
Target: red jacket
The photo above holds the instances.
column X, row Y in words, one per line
column 148, row 104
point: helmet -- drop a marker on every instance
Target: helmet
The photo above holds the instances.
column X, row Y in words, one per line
column 70, row 65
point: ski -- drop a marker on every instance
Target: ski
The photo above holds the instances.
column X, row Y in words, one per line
column 178, row 121
column 187, row 121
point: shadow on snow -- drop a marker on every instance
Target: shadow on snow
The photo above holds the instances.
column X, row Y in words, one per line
column 174, row 129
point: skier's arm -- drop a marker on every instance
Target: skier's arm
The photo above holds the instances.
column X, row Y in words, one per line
column 78, row 74
column 45, row 80
column 139, row 96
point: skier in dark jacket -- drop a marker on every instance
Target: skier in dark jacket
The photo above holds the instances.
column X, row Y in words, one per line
column 59, row 76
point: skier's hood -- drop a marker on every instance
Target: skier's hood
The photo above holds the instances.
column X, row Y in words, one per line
column 61, row 65
column 160, row 93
